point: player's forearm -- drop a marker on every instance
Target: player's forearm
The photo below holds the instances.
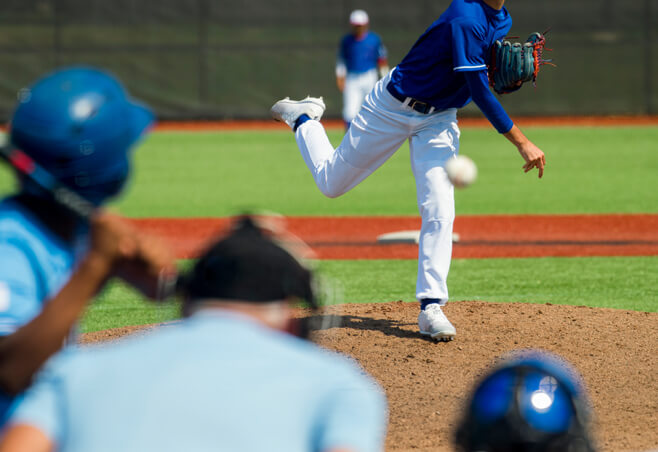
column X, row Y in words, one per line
column 487, row 102
column 25, row 438
column 341, row 69
column 382, row 67
column 516, row 137
column 483, row 97
column 24, row 352
column 533, row 156
column 340, row 83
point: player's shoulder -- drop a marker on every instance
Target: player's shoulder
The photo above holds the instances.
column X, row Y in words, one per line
column 466, row 13
column 10, row 213
column 60, row 364
column 19, row 228
column 76, row 364
column 325, row 365
column 15, row 220
column 473, row 8
column 373, row 36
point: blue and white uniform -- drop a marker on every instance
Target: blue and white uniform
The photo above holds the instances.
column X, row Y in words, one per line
column 216, row 381
column 418, row 101
column 34, row 265
column 358, row 61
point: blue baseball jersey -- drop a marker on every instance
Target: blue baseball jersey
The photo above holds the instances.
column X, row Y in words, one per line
column 216, row 381
column 34, row 265
column 459, row 41
column 362, row 54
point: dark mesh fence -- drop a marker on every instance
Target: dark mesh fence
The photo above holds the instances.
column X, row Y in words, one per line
column 218, row 59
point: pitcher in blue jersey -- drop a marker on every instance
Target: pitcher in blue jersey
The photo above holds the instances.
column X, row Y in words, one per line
column 80, row 126
column 418, row 101
column 361, row 61
column 230, row 376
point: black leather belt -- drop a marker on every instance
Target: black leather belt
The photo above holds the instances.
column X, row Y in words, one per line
column 415, row 104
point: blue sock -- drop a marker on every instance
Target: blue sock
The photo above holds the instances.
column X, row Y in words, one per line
column 427, row 301
column 301, row 120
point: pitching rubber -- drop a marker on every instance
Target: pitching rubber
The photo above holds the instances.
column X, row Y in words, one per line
column 407, row 237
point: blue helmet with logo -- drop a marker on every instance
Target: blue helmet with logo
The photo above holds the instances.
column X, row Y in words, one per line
column 534, row 402
column 80, row 125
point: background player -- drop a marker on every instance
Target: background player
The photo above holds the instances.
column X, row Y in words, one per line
column 444, row 70
column 361, row 61
column 533, row 402
column 79, row 124
column 228, row 377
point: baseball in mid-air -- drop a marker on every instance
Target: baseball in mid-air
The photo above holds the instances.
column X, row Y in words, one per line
column 462, row 171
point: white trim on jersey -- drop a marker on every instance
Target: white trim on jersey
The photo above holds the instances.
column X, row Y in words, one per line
column 5, row 296
column 341, row 69
column 458, row 68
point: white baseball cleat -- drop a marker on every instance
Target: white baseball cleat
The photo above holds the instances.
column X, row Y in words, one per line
column 433, row 322
column 288, row 111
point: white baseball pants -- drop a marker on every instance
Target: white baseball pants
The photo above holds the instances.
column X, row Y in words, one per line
column 379, row 129
column 357, row 87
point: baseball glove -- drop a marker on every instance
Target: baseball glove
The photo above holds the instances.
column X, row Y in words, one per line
column 513, row 64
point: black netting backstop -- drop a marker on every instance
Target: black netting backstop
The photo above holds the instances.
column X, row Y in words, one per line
column 217, row 59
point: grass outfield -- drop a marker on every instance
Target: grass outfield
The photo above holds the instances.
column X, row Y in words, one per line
column 589, row 170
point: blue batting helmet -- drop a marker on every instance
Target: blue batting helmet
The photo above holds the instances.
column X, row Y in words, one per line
column 532, row 403
column 80, row 124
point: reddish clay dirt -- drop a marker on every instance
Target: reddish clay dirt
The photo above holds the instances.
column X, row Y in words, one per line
column 480, row 236
column 534, row 121
column 428, row 383
column 545, row 121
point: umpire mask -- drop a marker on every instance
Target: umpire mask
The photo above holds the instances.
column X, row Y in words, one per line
column 250, row 266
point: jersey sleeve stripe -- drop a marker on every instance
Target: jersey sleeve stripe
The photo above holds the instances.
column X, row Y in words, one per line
column 469, row 68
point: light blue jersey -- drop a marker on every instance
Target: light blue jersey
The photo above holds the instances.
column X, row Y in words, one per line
column 34, row 265
column 216, row 381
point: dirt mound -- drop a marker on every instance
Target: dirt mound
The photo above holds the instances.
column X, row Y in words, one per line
column 427, row 382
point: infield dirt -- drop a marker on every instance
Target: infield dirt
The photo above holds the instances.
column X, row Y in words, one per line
column 482, row 236
column 464, row 122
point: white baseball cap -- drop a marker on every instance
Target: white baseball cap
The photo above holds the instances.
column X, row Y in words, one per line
column 359, row 17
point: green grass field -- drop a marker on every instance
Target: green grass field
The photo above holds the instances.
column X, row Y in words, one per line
column 589, row 170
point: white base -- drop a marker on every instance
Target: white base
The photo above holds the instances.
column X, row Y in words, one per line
column 407, row 237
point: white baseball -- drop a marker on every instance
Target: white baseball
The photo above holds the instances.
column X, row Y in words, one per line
column 461, row 170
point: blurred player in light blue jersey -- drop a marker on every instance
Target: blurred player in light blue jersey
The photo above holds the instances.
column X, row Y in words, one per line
column 362, row 60
column 232, row 376
column 78, row 125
